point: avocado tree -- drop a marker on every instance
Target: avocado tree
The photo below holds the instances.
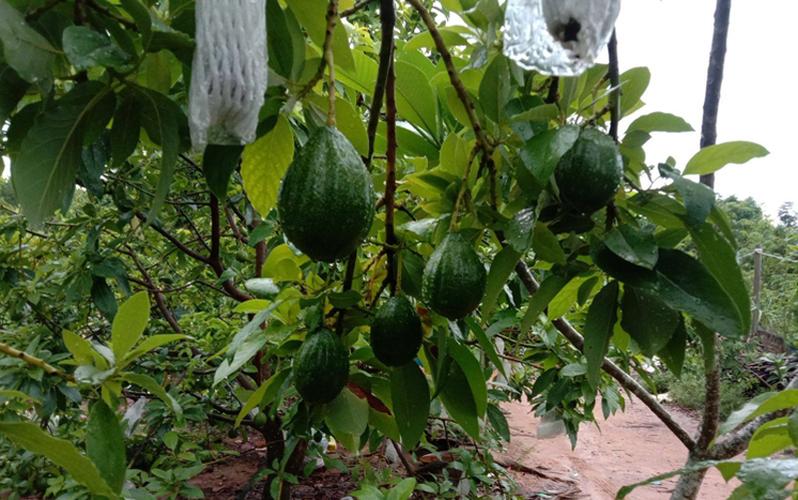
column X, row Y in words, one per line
column 415, row 211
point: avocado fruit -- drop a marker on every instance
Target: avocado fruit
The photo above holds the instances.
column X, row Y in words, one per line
column 590, row 173
column 326, row 200
column 321, row 368
column 454, row 278
column 396, row 332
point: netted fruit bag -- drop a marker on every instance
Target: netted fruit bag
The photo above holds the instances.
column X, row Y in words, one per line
column 228, row 77
column 558, row 37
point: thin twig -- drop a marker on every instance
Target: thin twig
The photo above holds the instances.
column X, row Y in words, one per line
column 358, row 6
column 332, row 20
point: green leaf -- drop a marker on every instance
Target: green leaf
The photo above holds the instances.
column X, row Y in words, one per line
column 44, row 171
column 86, row 48
column 347, row 120
column 633, row 245
column 659, row 122
column 601, row 317
column 60, row 452
column 713, row 158
column 699, row 199
column 541, row 154
column 264, row 395
column 176, row 42
column 125, row 131
column 410, row 402
column 264, row 163
column 546, row 245
column 129, row 324
column 343, row 300
column 103, row 298
column 720, row 258
column 500, row 269
column 458, row 398
column 79, row 347
column 12, row 90
column 792, row 426
column 499, row 422
column 141, row 16
column 148, row 383
column 769, row 438
column 347, row 414
column 521, row 229
column 105, row 445
column 745, row 413
column 415, row 98
column 285, row 41
column 151, row 343
column 24, row 49
column 634, row 83
column 161, row 118
column 495, row 89
column 403, row 490
column 549, row 289
column 684, row 284
column 764, row 476
column 473, row 372
column 486, row 344
column 542, row 113
column 218, row 164
column 649, row 321
column 312, row 15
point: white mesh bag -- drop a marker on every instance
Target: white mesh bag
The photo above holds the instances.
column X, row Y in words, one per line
column 558, row 37
column 228, row 77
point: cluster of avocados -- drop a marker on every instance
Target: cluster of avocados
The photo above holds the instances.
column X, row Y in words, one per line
column 326, row 207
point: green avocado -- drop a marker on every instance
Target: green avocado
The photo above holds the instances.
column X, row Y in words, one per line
column 590, row 173
column 454, row 278
column 396, row 332
column 321, row 368
column 326, row 201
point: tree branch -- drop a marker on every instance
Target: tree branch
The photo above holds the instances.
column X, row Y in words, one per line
column 172, row 239
column 613, row 74
column 387, row 23
column 388, row 17
column 215, row 260
column 454, row 77
column 160, row 301
column 717, row 58
column 35, row 362
column 623, row 378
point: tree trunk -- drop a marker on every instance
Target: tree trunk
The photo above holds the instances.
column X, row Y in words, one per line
column 689, row 483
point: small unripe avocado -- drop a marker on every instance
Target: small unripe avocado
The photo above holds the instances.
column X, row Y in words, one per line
column 454, row 278
column 321, row 368
column 590, row 173
column 326, row 202
column 396, row 332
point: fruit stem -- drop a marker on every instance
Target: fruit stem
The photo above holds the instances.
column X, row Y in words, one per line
column 454, row 225
column 332, row 20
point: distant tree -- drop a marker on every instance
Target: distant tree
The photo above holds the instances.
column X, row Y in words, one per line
column 787, row 215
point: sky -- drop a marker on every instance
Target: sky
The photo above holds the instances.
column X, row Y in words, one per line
column 758, row 103
column 673, row 38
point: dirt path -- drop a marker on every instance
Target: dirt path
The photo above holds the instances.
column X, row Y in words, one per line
column 629, row 447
